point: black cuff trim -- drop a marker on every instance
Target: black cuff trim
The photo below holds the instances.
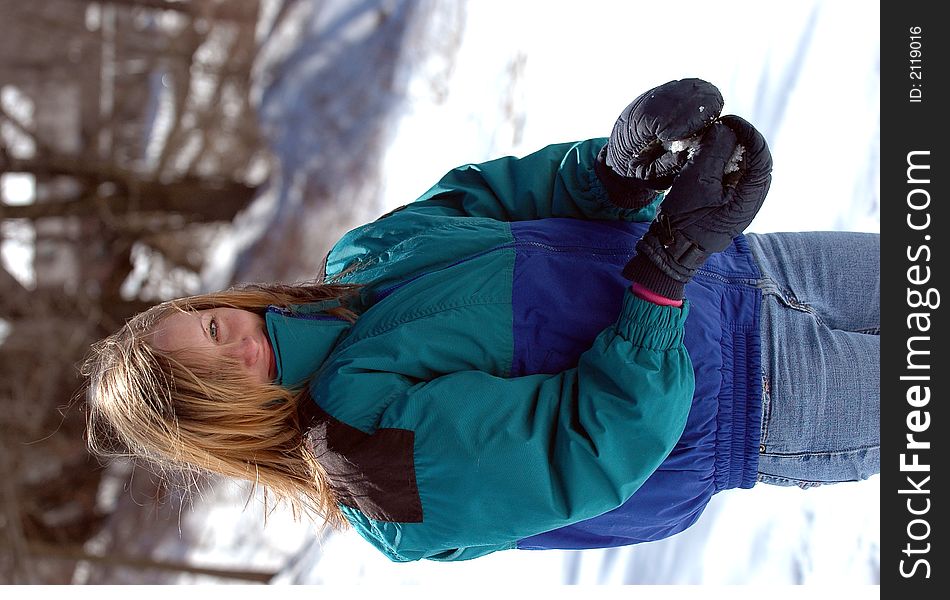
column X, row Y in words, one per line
column 625, row 192
column 641, row 270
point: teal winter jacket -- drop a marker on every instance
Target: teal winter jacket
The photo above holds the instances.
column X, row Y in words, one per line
column 460, row 415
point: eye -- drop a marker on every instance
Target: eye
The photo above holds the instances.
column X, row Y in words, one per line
column 213, row 329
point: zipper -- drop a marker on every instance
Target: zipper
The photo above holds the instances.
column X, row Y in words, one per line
column 312, row 317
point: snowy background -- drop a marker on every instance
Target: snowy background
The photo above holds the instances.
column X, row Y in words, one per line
column 470, row 81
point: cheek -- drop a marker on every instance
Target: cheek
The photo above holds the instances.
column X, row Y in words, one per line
column 212, row 363
column 244, row 323
column 207, row 362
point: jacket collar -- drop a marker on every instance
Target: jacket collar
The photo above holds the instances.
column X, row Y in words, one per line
column 302, row 338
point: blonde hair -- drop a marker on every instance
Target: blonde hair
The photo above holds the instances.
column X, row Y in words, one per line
column 146, row 403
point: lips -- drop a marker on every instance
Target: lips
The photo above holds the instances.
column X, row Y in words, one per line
column 268, row 353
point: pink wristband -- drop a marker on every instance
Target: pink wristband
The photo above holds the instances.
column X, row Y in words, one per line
column 653, row 297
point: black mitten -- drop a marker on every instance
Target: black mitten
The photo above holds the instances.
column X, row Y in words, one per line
column 715, row 197
column 641, row 157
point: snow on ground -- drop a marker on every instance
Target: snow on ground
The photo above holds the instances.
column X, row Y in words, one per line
column 494, row 77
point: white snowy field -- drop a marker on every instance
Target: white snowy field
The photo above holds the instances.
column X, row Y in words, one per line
column 510, row 76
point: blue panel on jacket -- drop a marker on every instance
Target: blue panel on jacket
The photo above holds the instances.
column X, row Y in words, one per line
column 567, row 289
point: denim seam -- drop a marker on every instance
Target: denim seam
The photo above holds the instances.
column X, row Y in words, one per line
column 821, row 454
column 766, row 412
column 801, row 483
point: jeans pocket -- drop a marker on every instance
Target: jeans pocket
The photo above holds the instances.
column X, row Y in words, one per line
column 790, row 300
column 786, row 297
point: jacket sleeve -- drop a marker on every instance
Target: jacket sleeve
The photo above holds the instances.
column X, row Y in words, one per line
column 556, row 181
column 500, row 459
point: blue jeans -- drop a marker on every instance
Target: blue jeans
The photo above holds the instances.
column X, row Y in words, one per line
column 821, row 319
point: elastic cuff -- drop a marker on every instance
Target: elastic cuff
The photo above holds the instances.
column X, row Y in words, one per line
column 649, row 325
column 641, row 270
column 625, row 192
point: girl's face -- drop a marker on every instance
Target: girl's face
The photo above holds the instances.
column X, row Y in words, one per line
column 219, row 333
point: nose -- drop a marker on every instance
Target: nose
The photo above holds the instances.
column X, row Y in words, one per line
column 245, row 351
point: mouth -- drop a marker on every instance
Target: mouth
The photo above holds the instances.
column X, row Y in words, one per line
column 269, row 359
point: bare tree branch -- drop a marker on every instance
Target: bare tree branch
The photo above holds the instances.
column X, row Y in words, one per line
column 24, row 129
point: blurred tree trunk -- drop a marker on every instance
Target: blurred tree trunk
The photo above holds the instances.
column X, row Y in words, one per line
column 72, row 553
column 243, row 10
column 193, row 199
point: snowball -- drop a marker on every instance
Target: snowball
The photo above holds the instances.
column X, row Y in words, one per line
column 733, row 163
column 691, row 144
